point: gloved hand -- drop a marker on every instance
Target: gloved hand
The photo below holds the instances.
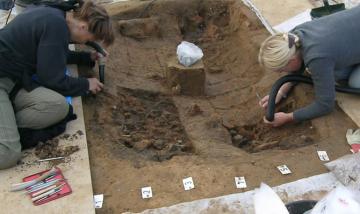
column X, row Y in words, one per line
column 353, row 138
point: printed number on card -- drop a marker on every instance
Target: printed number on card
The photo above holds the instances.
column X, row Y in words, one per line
column 323, row 155
column 284, row 169
column 240, row 182
column 188, row 183
column 146, row 192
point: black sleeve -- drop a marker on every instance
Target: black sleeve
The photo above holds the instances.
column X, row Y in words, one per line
column 51, row 60
column 80, row 58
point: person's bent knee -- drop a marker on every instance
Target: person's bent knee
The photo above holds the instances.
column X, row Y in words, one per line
column 8, row 157
column 60, row 106
column 51, row 109
column 354, row 78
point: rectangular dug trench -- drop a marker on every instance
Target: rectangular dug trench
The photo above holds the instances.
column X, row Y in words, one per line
column 144, row 132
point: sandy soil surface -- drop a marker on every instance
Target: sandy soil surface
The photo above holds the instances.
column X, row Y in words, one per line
column 140, row 133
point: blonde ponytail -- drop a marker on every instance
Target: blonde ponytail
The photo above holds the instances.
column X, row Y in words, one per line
column 276, row 51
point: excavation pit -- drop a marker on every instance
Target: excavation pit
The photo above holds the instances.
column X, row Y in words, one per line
column 124, row 148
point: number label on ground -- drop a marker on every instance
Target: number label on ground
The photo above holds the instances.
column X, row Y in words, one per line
column 146, row 192
column 188, row 183
column 323, row 155
column 284, row 169
column 240, row 182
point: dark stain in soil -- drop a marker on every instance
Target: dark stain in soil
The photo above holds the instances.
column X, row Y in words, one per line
column 260, row 136
column 144, row 121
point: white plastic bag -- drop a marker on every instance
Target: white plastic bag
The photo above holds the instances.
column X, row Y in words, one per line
column 339, row 201
column 347, row 170
column 266, row 201
column 351, row 3
column 188, row 53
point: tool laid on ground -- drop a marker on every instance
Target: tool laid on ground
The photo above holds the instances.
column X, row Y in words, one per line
column 42, row 183
column 44, row 186
column 44, row 190
column 101, row 60
column 326, row 9
column 26, row 184
column 50, row 159
column 40, row 196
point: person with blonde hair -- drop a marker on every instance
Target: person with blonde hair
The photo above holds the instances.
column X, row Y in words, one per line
column 329, row 49
column 33, row 58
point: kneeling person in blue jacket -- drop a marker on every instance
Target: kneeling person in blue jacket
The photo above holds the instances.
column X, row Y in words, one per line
column 33, row 58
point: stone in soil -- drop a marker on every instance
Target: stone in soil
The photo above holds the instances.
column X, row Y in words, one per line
column 139, row 28
column 194, row 110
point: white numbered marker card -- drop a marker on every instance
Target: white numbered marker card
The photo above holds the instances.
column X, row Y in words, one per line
column 146, row 192
column 98, row 200
column 284, row 169
column 240, row 182
column 323, row 155
column 188, row 183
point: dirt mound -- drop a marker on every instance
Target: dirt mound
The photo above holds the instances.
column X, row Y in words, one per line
column 51, row 149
